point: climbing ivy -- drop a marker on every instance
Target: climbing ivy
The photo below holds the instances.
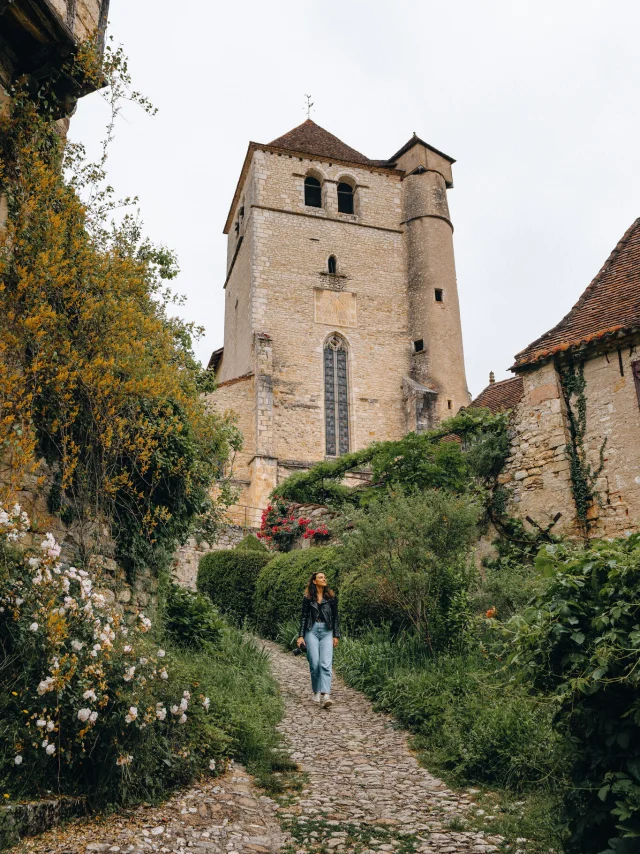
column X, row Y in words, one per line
column 583, row 475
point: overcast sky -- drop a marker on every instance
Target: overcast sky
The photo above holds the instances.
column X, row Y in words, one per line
column 537, row 101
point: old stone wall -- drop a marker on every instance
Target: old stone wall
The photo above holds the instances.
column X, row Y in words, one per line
column 187, row 558
column 537, row 473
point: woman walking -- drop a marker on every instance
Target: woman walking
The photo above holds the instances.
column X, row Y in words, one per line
column 319, row 632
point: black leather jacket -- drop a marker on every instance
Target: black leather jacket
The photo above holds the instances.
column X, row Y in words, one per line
column 311, row 611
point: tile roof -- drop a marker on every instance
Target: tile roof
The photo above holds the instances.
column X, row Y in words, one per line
column 501, row 395
column 310, row 138
column 609, row 306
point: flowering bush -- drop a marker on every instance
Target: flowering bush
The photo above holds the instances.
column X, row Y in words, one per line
column 280, row 527
column 82, row 692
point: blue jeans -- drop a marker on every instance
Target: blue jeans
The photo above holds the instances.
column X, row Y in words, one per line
column 319, row 642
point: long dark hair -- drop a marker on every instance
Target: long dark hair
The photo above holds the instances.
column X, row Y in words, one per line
column 311, row 591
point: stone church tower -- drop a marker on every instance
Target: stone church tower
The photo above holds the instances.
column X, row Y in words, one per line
column 342, row 323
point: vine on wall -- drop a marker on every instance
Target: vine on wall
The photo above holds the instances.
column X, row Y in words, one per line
column 583, row 475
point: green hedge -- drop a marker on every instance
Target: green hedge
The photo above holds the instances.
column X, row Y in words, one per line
column 282, row 582
column 252, row 543
column 229, row 579
column 364, row 602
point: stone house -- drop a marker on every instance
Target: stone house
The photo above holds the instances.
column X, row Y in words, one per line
column 342, row 323
column 575, row 402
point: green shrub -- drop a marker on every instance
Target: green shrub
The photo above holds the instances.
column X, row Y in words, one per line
column 281, row 584
column 581, row 639
column 92, row 705
column 414, row 548
column 365, row 602
column 252, row 543
column 229, row 579
column 190, row 619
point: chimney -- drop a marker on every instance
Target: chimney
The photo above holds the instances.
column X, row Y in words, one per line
column 492, row 377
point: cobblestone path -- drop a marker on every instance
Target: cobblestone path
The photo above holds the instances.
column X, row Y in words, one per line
column 366, row 791
column 363, row 792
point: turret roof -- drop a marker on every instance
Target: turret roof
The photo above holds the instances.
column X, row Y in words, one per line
column 610, row 306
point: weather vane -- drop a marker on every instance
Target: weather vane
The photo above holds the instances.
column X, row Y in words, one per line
column 308, row 105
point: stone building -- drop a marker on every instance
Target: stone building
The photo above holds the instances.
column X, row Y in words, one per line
column 342, row 324
column 575, row 401
column 36, row 39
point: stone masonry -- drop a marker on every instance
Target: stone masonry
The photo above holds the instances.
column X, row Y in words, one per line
column 389, row 295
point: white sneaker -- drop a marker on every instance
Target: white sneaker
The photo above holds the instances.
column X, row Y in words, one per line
column 316, row 698
column 326, row 702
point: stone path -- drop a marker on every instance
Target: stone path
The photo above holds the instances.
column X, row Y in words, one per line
column 364, row 792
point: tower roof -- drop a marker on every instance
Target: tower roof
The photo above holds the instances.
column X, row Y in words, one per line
column 310, row 138
column 610, row 306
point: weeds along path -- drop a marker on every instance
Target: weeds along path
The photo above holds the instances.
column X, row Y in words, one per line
column 366, row 791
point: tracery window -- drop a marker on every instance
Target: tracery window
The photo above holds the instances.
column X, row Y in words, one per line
column 312, row 192
column 336, row 397
column 345, row 198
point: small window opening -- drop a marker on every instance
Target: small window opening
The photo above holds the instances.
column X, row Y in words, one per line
column 449, row 404
column 345, row 198
column 418, row 346
column 332, row 265
column 312, row 192
column 237, row 228
column 438, row 293
column 242, row 211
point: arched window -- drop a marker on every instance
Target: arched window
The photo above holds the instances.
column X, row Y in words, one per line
column 345, row 198
column 332, row 265
column 336, row 397
column 312, row 192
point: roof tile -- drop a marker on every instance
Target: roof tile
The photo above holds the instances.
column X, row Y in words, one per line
column 310, row 138
column 500, row 396
column 610, row 304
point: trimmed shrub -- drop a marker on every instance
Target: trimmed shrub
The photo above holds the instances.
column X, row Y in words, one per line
column 365, row 602
column 229, row 579
column 281, row 583
column 190, row 619
column 253, row 544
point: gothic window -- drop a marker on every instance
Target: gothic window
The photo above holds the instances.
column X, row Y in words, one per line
column 312, row 192
column 336, row 397
column 345, row 198
column 332, row 265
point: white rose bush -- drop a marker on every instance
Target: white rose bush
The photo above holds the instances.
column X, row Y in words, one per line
column 87, row 698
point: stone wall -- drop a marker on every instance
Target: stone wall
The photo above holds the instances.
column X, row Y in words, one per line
column 537, row 473
column 187, row 558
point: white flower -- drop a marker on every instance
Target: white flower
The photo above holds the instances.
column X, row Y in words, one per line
column 19, row 600
column 83, row 715
column 45, row 685
column 124, row 760
column 164, row 674
column 161, row 714
column 183, row 704
column 186, row 695
column 146, row 623
column 161, row 653
column 124, row 631
column 132, row 714
column 50, row 546
column 77, row 645
column 97, row 647
column 93, row 717
column 212, row 765
column 33, row 627
column 41, row 722
column 143, row 660
column 183, row 719
column 175, row 710
column 45, row 742
column 50, row 749
column 18, row 759
column 127, row 648
column 206, row 703
column 128, row 674
column 50, row 726
column 90, row 694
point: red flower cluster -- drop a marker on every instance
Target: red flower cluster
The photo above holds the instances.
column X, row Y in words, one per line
column 281, row 528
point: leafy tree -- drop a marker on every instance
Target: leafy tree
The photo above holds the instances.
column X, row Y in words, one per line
column 97, row 377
